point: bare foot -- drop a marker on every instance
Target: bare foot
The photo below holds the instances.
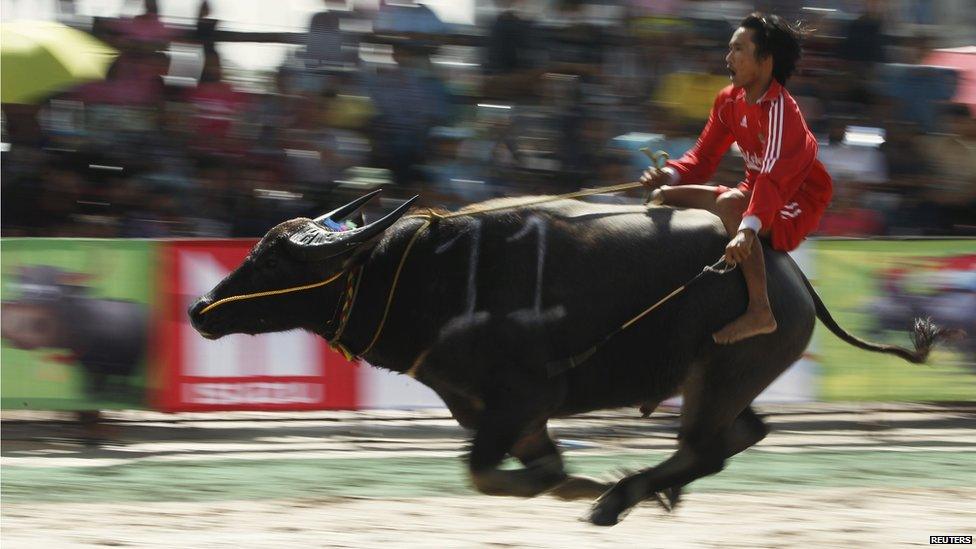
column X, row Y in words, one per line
column 754, row 322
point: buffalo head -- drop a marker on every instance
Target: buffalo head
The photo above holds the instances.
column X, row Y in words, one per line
column 292, row 278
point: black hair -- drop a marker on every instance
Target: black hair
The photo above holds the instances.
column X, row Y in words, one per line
column 772, row 35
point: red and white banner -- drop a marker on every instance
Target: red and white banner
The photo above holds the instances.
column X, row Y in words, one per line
column 285, row 371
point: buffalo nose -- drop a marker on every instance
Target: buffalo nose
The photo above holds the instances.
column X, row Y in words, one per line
column 195, row 309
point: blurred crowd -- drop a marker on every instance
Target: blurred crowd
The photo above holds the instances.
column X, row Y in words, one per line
column 175, row 142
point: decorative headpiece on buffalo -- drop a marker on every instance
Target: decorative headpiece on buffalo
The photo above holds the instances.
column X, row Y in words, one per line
column 316, row 241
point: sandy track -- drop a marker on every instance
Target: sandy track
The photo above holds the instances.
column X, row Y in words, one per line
column 822, row 518
column 860, row 479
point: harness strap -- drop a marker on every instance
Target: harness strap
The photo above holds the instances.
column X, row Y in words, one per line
column 393, row 286
column 344, row 311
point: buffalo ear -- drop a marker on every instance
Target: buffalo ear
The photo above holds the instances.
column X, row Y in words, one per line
column 313, row 242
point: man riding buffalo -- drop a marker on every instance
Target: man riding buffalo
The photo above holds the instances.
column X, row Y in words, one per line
column 480, row 303
column 786, row 189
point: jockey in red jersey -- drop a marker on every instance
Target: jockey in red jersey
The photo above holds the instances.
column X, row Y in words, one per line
column 786, row 189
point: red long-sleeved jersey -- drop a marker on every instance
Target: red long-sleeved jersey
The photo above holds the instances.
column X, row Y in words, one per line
column 780, row 153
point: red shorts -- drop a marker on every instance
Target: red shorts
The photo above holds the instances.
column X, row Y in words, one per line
column 798, row 218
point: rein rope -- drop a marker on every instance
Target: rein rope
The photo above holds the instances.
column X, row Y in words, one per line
column 556, row 367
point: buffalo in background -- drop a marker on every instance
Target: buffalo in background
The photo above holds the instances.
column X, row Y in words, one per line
column 54, row 310
column 943, row 287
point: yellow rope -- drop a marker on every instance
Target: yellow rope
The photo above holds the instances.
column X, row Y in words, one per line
column 393, row 286
column 651, row 308
column 658, row 159
column 216, row 304
column 543, row 200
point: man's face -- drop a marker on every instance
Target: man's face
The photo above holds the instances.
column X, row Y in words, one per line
column 744, row 68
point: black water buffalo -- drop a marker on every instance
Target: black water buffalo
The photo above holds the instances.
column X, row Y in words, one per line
column 477, row 305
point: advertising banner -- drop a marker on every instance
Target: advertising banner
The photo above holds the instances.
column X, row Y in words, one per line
column 76, row 323
column 875, row 289
column 283, row 371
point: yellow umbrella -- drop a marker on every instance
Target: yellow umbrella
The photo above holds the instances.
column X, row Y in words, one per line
column 39, row 58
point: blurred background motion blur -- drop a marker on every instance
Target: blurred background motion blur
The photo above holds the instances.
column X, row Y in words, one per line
column 174, row 119
column 221, row 118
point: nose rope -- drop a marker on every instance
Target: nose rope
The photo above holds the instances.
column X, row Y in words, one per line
column 242, row 297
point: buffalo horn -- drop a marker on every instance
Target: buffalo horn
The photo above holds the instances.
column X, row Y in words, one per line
column 314, row 242
column 339, row 214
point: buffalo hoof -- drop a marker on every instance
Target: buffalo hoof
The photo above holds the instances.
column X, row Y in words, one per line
column 674, row 497
column 610, row 509
column 614, row 505
column 668, row 499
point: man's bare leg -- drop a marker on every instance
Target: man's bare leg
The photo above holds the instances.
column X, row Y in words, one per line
column 758, row 318
column 702, row 197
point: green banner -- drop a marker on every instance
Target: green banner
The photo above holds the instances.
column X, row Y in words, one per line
column 76, row 323
column 874, row 289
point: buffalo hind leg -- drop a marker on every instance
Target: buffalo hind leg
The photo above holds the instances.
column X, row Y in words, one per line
column 746, row 431
column 690, row 462
column 707, row 438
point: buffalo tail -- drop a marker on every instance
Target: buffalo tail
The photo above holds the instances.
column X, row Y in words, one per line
column 925, row 333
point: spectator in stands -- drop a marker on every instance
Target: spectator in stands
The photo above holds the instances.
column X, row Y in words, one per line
column 512, row 56
column 849, row 216
column 323, row 47
column 205, row 33
column 902, row 200
column 410, row 99
column 216, row 110
column 951, row 187
column 865, row 38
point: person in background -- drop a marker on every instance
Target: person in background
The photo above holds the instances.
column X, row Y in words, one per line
column 216, row 108
column 951, row 189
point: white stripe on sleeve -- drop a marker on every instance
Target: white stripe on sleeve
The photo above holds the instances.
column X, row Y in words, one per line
column 775, row 135
column 770, row 124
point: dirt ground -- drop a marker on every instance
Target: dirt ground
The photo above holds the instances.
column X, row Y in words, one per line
column 826, row 518
column 826, row 480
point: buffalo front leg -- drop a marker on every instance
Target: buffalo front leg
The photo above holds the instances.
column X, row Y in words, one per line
column 503, row 430
column 537, row 451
